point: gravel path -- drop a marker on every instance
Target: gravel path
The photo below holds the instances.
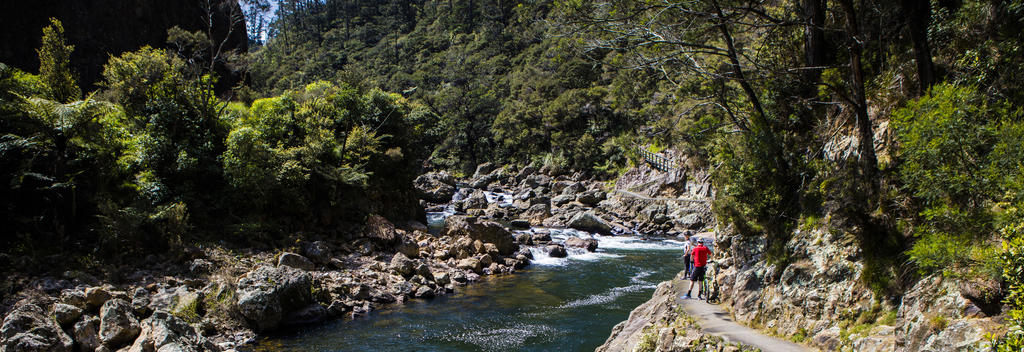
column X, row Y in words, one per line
column 715, row 321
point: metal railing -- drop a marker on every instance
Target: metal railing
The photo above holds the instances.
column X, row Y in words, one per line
column 657, row 161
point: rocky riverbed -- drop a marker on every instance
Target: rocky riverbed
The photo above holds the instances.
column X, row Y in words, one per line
column 217, row 298
column 223, row 301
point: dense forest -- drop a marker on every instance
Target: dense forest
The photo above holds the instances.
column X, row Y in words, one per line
column 900, row 120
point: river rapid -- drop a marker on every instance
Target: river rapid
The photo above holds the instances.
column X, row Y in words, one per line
column 555, row 304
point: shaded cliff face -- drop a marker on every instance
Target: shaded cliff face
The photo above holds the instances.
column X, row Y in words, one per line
column 820, row 299
column 101, row 28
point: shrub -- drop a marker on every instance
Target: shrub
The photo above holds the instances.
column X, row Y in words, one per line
column 958, row 155
column 315, row 150
column 1013, row 272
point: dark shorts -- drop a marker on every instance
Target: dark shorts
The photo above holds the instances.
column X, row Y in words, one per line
column 698, row 273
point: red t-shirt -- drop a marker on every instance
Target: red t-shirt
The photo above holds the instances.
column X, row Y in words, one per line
column 700, row 255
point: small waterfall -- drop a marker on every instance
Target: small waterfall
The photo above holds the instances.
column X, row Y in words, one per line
column 541, row 257
column 502, row 199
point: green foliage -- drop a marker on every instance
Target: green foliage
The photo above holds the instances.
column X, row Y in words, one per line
column 189, row 307
column 959, row 154
column 501, row 86
column 55, row 65
column 174, row 138
column 1012, row 258
column 754, row 196
column 648, row 339
column 130, row 78
column 938, row 323
column 800, row 336
column 944, row 138
column 324, row 145
column 158, row 162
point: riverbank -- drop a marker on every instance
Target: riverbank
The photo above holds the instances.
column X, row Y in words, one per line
column 565, row 304
column 668, row 323
column 219, row 298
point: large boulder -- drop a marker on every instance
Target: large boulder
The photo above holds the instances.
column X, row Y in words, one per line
column 525, row 172
column 484, row 169
column 96, row 296
column 571, row 188
column 118, row 325
column 589, row 244
column 541, row 237
column 561, row 200
column 520, row 223
column 307, row 315
column 471, row 264
column 534, row 181
column 66, row 314
column 437, row 187
column 380, row 230
column 319, row 252
column 28, row 328
column 482, row 181
column 476, row 200
column 407, row 246
column 587, row 221
column 485, row 231
column 75, row 298
column 166, row 332
column 545, row 200
column 267, row 294
column 87, row 333
column 591, row 198
column 295, row 261
column 402, row 265
column 691, row 221
column 557, row 251
column 537, row 213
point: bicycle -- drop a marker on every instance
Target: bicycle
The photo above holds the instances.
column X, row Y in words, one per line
column 708, row 286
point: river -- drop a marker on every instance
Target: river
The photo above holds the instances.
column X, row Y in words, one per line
column 555, row 304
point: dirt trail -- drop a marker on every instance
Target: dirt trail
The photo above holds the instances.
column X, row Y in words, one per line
column 641, row 196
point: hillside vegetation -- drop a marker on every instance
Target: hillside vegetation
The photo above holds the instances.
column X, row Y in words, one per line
column 155, row 161
column 900, row 122
column 897, row 121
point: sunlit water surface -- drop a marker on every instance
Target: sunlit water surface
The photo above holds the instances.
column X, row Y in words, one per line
column 556, row 304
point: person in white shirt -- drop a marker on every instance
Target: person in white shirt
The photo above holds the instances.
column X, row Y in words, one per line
column 687, row 248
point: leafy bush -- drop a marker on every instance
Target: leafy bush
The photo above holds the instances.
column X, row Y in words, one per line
column 158, row 162
column 959, row 155
column 1013, row 272
column 324, row 145
column 754, row 195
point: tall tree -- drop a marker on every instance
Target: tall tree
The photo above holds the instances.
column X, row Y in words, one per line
column 858, row 98
column 918, row 14
column 55, row 65
column 814, row 38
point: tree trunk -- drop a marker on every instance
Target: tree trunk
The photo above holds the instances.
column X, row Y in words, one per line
column 814, row 44
column 869, row 161
column 919, row 15
column 815, row 58
column 760, row 127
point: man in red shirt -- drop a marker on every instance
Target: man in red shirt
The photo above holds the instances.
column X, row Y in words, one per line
column 700, row 256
